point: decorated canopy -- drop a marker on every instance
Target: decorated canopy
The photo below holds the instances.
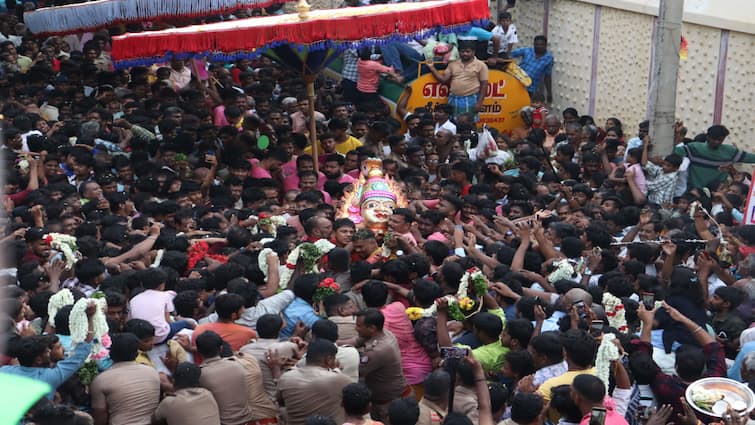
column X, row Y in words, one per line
column 94, row 15
column 307, row 41
column 322, row 30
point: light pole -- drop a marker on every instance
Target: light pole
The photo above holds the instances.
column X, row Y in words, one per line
column 662, row 94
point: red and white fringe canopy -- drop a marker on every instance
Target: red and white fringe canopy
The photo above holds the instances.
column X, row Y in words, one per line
column 353, row 24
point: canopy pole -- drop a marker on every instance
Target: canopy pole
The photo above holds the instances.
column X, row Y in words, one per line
column 310, row 80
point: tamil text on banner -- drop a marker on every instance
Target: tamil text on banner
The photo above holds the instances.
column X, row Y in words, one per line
column 504, row 98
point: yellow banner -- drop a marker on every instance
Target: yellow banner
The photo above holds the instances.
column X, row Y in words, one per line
column 504, row 98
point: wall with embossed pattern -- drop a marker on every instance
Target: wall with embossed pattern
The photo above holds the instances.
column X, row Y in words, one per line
column 696, row 86
column 623, row 66
column 739, row 92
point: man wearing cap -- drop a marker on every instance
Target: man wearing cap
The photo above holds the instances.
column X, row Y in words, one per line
column 467, row 79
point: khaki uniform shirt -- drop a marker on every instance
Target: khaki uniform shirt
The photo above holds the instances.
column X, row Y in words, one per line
column 129, row 391
column 226, row 381
column 465, row 402
column 259, row 349
column 261, row 404
column 312, row 390
column 465, row 78
column 347, row 326
column 430, row 413
column 380, row 368
column 194, row 406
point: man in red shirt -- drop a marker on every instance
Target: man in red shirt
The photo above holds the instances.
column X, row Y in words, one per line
column 229, row 307
column 462, row 173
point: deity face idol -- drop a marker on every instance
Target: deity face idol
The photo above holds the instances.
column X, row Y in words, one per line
column 377, row 210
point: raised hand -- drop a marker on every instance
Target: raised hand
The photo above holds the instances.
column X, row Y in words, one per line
column 660, row 416
column 674, row 313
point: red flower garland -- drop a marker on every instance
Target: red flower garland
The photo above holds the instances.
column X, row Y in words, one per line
column 201, row 250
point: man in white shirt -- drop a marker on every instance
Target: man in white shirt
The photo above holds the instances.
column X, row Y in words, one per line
column 270, row 305
column 442, row 114
column 506, row 32
column 7, row 35
column 180, row 74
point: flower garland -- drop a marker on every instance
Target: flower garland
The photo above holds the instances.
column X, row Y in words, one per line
column 79, row 325
column 607, row 352
column 201, row 250
column 310, row 254
column 460, row 306
column 158, row 259
column 268, row 223
column 416, row 313
column 65, row 244
column 22, row 164
column 88, row 371
column 566, row 269
column 59, row 300
column 325, row 289
column 615, row 312
column 262, row 260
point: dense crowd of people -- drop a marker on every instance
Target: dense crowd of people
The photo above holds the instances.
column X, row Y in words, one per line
column 154, row 218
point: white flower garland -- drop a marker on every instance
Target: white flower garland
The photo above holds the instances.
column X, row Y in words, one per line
column 275, row 221
column 262, row 260
column 615, row 312
column 322, row 245
column 462, row 292
column 564, row 270
column 65, row 244
column 288, row 272
column 158, row 259
column 607, row 352
column 79, row 325
column 59, row 300
column 464, row 285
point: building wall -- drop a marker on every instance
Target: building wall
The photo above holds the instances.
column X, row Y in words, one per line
column 623, row 66
column 739, row 92
column 573, row 41
column 603, row 52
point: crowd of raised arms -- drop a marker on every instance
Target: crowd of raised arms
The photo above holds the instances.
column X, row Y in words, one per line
column 171, row 254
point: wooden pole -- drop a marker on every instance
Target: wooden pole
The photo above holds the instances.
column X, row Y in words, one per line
column 310, row 80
